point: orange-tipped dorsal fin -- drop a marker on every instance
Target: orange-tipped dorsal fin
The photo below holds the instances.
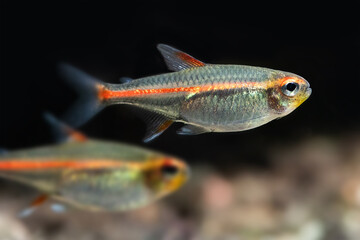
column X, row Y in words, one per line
column 177, row 60
column 62, row 131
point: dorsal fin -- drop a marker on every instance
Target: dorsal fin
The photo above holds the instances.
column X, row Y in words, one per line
column 177, row 60
column 62, row 131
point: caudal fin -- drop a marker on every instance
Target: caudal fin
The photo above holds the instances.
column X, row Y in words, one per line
column 88, row 103
column 63, row 132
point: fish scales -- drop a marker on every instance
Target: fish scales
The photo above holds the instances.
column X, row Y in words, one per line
column 96, row 175
column 216, row 89
column 121, row 186
column 46, row 178
column 206, row 97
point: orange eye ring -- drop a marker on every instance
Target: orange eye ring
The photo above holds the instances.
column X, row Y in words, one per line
column 290, row 87
column 169, row 170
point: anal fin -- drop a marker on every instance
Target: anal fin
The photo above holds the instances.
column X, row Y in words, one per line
column 156, row 125
column 192, row 130
column 33, row 206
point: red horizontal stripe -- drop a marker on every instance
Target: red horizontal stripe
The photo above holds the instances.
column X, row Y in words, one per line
column 108, row 94
column 14, row 164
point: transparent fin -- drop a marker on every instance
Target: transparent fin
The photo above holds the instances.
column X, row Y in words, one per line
column 89, row 102
column 177, row 60
column 58, row 208
column 156, row 125
column 63, row 132
column 33, row 206
column 191, row 130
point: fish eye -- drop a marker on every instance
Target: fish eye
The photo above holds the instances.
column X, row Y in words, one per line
column 290, row 89
column 169, row 170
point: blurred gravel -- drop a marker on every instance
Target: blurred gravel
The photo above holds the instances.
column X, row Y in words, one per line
column 310, row 192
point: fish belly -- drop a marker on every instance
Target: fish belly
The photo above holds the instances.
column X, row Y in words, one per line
column 227, row 110
column 120, row 189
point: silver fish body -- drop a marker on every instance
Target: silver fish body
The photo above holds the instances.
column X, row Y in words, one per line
column 208, row 97
column 94, row 174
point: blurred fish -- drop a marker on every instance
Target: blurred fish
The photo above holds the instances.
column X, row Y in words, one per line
column 206, row 97
column 93, row 174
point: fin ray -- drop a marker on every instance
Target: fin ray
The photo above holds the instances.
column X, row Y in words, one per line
column 62, row 131
column 41, row 199
column 88, row 103
column 156, row 125
column 177, row 60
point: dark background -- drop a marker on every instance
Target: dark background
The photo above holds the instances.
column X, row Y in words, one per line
column 111, row 40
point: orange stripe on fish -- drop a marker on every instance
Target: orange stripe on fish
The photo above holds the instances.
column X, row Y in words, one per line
column 15, row 164
column 36, row 164
column 293, row 79
column 105, row 94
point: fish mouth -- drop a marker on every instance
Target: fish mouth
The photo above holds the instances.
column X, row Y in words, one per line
column 187, row 173
column 303, row 97
column 308, row 92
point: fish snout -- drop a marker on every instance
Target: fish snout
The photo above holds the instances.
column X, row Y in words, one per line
column 308, row 89
column 308, row 92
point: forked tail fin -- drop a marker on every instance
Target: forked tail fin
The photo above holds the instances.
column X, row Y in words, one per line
column 63, row 132
column 92, row 99
column 89, row 103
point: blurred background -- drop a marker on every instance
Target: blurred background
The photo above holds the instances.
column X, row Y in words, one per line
column 297, row 178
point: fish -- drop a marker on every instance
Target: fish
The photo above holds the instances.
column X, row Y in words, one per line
column 205, row 97
column 92, row 174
